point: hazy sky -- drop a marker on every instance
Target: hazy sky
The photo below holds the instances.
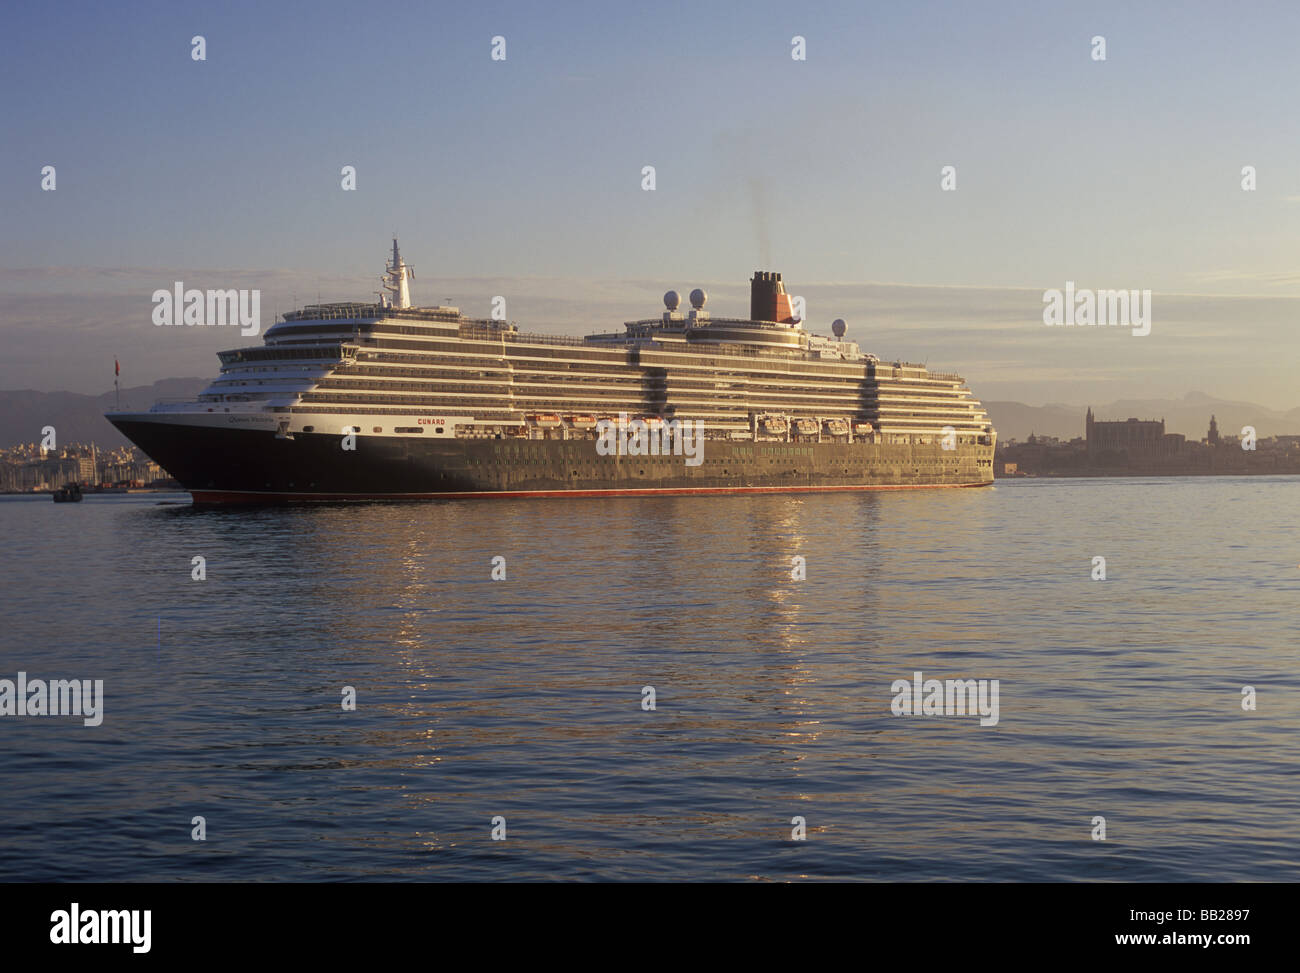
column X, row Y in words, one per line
column 523, row 177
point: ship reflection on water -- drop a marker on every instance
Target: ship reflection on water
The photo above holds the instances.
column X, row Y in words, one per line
column 524, row 698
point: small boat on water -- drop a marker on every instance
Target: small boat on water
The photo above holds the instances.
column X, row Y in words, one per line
column 68, row 494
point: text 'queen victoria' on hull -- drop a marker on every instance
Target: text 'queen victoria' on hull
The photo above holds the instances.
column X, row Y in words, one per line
column 388, row 401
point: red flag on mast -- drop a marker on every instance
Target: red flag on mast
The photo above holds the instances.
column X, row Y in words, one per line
column 117, row 369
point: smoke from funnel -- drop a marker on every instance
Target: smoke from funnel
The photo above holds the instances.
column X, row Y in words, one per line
column 758, row 200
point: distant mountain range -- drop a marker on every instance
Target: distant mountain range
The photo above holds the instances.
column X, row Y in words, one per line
column 80, row 418
column 1189, row 415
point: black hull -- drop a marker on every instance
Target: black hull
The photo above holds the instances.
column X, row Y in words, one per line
column 219, row 465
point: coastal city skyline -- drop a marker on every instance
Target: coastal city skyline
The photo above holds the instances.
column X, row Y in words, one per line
column 1066, row 170
column 1139, row 447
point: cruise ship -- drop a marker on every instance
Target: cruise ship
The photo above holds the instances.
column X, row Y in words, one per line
column 391, row 401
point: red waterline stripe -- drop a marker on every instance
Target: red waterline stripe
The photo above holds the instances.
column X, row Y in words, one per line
column 253, row 496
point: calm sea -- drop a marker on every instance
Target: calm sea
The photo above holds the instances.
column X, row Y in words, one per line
column 523, row 698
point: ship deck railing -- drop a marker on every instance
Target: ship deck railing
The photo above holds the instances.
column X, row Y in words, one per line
column 502, row 334
column 345, row 311
column 196, row 404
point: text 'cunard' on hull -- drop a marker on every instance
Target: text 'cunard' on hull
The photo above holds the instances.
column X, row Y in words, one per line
column 388, row 401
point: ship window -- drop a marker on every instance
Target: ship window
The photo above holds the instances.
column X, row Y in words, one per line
column 308, row 428
column 378, row 428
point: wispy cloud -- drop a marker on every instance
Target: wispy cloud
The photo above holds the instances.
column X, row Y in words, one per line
column 66, row 323
column 1248, row 276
